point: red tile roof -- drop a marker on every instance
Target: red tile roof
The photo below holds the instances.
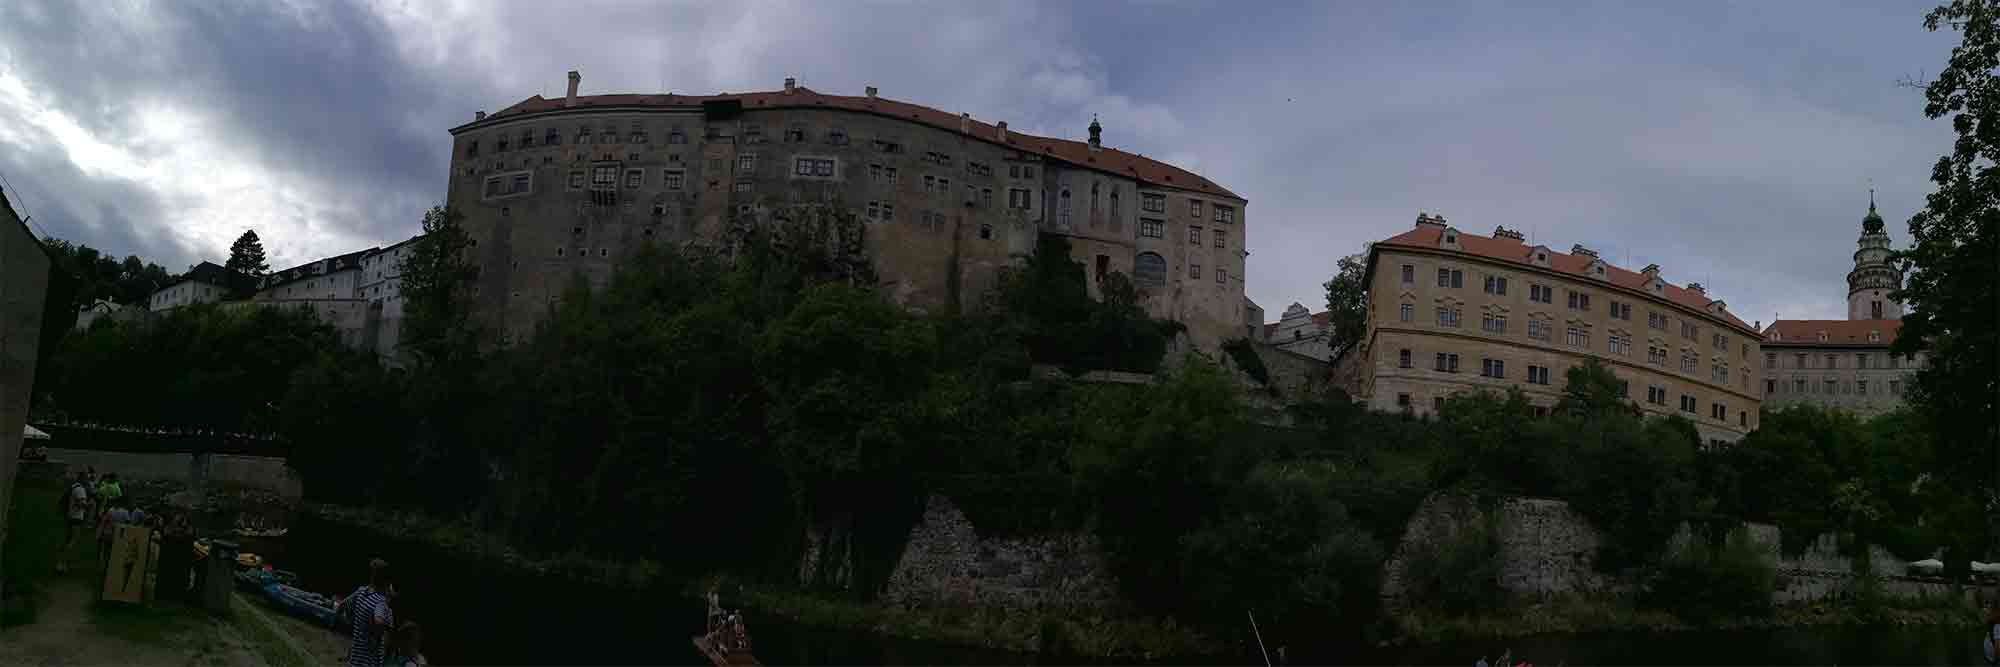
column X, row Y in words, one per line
column 1515, row 252
column 1838, row 332
column 1108, row 160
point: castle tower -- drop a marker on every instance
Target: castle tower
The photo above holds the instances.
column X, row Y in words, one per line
column 1873, row 277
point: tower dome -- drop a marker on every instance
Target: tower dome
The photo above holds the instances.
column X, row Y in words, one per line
column 1874, row 276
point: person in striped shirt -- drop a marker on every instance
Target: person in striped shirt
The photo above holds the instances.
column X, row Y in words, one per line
column 369, row 618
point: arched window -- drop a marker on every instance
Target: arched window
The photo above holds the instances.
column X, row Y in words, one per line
column 1149, row 269
column 1062, row 212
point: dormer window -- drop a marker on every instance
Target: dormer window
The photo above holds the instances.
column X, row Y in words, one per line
column 1822, row 336
column 1874, row 336
column 1450, row 237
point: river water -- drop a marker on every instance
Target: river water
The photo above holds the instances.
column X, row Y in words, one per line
column 479, row 614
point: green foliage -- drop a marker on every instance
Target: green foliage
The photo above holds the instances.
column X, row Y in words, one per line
column 196, row 367
column 1048, row 303
column 1347, row 303
column 1246, row 358
column 1952, row 273
column 1704, row 580
column 1458, row 572
column 102, row 276
column 246, row 255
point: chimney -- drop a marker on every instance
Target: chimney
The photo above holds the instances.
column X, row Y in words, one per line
column 1578, row 249
column 478, row 116
column 1001, row 131
column 965, row 123
column 791, row 84
column 1501, row 232
column 1652, row 271
column 1096, row 134
column 1428, row 219
column 1696, row 288
column 871, row 92
column 1759, row 325
column 574, row 78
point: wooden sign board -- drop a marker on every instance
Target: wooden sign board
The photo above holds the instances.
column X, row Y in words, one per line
column 125, row 571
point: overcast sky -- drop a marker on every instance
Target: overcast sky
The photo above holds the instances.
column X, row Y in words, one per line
column 1732, row 144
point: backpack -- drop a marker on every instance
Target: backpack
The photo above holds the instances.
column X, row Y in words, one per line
column 62, row 504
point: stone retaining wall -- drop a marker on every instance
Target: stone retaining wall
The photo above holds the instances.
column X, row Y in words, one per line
column 1546, row 549
column 259, row 472
column 947, row 562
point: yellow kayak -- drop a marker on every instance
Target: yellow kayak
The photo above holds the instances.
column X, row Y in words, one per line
column 245, row 559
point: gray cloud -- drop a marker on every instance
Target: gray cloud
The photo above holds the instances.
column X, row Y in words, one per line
column 1731, row 145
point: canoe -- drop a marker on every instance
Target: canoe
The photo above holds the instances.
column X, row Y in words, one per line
column 301, row 603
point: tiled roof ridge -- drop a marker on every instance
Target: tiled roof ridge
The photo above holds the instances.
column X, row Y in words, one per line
column 1137, row 167
column 1426, row 237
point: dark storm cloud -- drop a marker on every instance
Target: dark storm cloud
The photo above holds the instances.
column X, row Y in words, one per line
column 1731, row 144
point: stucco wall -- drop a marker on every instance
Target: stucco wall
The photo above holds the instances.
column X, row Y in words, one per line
column 24, row 276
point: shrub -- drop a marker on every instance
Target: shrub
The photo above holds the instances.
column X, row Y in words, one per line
column 1703, row 580
column 1460, row 572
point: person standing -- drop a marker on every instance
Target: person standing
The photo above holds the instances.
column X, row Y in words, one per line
column 176, row 555
column 77, row 512
column 1990, row 639
column 406, row 647
column 369, row 618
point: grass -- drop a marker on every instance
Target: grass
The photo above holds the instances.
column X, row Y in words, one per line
column 264, row 637
column 1581, row 614
column 35, row 531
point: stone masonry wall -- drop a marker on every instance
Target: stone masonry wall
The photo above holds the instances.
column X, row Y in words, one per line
column 947, row 563
column 1547, row 549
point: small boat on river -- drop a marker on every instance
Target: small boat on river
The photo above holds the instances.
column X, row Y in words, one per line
column 725, row 642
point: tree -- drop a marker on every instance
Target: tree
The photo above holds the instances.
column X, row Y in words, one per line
column 1347, row 303
column 1591, row 389
column 1954, row 264
column 437, row 285
column 246, row 255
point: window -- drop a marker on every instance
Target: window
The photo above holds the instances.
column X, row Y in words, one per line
column 1656, row 395
column 815, row 167
column 1538, row 375
column 1493, row 324
column 1403, row 401
column 1770, row 387
column 1798, row 385
column 1149, row 269
column 1451, row 278
column 1861, row 360
column 1153, row 203
column 1447, row 317
column 742, row 186
column 1403, row 358
column 1717, row 412
column 1496, row 285
column 492, row 187
column 888, row 212
column 1830, row 387
column 1895, row 387
column 1225, row 215
column 1832, row 361
column 874, row 209
column 1062, row 208
column 1538, row 329
column 1656, row 356
column 559, row 251
column 675, row 179
column 1688, row 362
column 676, row 136
column 1770, row 360
column 1221, row 240
column 1405, row 312
column 1437, row 404
column 1409, row 272
column 1690, row 331
column 1874, row 310
column 746, row 164
column 634, row 177
column 753, row 134
column 1152, row 229
column 1017, row 198
column 1194, row 209
column 1719, row 342
column 1221, row 275
column 1799, row 361
column 1743, row 418
column 1861, row 387
column 1688, row 403
column 1621, row 311
column 986, row 197
column 1447, row 363
column 1541, row 294
column 1194, row 270
column 1620, row 345
column 1579, row 301
column 1577, row 337
column 1719, row 373
column 604, row 177
column 1493, row 368
column 1194, row 234
column 1657, row 321
column 795, row 134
